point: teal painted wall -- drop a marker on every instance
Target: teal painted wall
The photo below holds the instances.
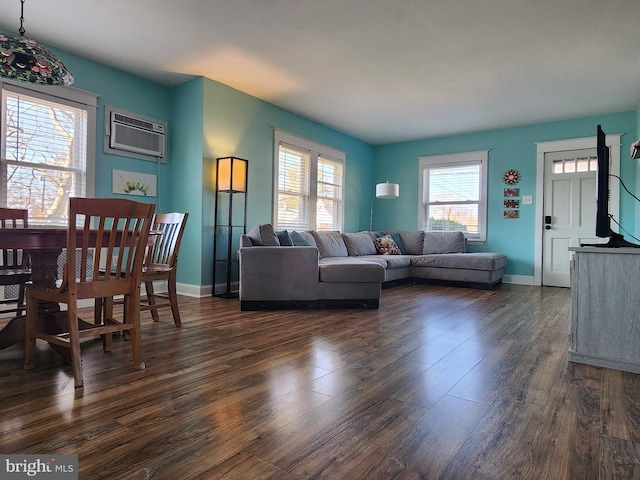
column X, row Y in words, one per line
column 508, row 148
column 128, row 92
column 186, row 181
column 241, row 125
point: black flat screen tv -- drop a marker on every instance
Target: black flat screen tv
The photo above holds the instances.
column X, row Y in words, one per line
column 603, row 218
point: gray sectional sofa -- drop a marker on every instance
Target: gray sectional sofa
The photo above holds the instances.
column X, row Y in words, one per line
column 326, row 268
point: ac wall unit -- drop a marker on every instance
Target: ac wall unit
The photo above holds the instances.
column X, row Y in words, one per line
column 137, row 135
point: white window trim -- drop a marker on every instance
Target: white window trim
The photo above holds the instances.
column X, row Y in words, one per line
column 67, row 95
column 316, row 149
column 452, row 159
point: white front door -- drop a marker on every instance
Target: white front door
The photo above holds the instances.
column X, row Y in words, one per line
column 569, row 202
column 569, row 210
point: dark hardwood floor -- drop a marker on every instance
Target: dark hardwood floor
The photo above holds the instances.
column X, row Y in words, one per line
column 439, row 383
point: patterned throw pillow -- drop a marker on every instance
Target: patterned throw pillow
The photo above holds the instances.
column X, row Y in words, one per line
column 386, row 246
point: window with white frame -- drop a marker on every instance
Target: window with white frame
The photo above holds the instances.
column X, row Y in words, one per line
column 453, row 193
column 309, row 184
column 47, row 150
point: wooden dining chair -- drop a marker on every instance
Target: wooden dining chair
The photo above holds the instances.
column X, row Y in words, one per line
column 162, row 264
column 109, row 235
column 15, row 268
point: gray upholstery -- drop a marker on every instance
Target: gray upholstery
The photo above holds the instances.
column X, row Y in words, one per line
column 443, row 242
column 263, row 235
column 330, row 244
column 359, row 244
column 470, row 261
column 352, row 272
column 344, row 269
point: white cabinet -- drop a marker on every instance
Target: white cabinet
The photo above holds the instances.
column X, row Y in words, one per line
column 605, row 307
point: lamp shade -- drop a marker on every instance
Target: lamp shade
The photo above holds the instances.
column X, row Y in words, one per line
column 231, row 174
column 387, row 190
column 24, row 59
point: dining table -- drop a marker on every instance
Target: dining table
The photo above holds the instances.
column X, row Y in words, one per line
column 43, row 245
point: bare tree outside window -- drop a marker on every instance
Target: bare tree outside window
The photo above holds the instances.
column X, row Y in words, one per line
column 43, row 156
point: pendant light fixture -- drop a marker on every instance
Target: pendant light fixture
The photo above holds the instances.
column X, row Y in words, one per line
column 24, row 59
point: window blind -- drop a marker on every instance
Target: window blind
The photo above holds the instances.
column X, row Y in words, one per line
column 44, row 155
column 293, row 187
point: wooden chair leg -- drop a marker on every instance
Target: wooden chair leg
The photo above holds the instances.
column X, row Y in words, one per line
column 151, row 299
column 74, row 344
column 132, row 307
column 106, row 314
column 21, row 299
column 173, row 298
column 29, row 340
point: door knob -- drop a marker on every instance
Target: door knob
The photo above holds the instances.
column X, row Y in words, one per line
column 547, row 222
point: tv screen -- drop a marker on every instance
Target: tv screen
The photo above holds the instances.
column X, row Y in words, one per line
column 603, row 218
column 603, row 222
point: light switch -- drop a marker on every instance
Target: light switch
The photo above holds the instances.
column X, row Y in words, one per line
column 527, row 199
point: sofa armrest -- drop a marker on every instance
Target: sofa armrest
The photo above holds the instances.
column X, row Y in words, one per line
column 278, row 273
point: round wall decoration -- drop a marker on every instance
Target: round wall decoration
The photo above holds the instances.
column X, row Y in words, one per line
column 511, row 177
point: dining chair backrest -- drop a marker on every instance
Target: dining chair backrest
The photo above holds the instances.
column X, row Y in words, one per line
column 110, row 263
column 166, row 231
column 13, row 218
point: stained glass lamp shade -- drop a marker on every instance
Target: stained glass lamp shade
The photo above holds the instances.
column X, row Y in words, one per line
column 25, row 60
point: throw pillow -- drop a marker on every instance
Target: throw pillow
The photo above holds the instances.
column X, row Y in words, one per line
column 263, row 235
column 398, row 240
column 359, row 244
column 330, row 244
column 284, row 238
column 386, row 246
column 299, row 240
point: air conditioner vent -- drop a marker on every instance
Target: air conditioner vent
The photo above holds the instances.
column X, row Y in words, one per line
column 135, row 134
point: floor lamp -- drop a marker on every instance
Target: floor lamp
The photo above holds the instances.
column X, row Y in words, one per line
column 231, row 180
column 383, row 190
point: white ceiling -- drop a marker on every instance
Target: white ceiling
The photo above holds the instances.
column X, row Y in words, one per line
column 380, row 70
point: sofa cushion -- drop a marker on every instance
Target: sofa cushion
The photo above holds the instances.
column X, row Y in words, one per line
column 443, row 242
column 398, row 261
column 330, row 244
column 263, row 235
column 412, row 241
column 351, row 272
column 386, row 246
column 469, row 261
column 359, row 244
column 284, row 238
column 302, row 239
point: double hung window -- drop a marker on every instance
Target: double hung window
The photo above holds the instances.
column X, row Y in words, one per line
column 47, row 150
column 309, row 184
column 453, row 193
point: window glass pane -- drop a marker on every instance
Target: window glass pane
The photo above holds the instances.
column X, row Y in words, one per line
column 44, row 156
column 569, row 165
column 558, row 166
column 329, row 204
column 582, row 164
column 445, row 217
column 292, row 212
column 293, row 189
column 593, row 164
column 452, row 184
